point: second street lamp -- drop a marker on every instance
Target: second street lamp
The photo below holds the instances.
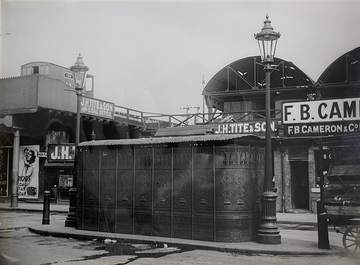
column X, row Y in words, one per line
column 268, row 232
column 79, row 73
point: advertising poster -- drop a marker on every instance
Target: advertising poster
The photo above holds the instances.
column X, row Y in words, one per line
column 4, row 172
column 28, row 179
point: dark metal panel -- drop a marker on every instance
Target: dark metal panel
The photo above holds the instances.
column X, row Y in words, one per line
column 124, row 220
column 107, row 191
column 203, row 205
column 143, row 191
column 182, row 204
column 107, row 200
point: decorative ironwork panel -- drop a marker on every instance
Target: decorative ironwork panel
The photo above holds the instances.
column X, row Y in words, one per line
column 202, row 158
column 125, row 188
column 232, row 189
column 162, row 188
column 91, row 187
column 232, row 156
column 125, row 159
column 162, row 158
column 182, row 158
column 143, row 188
column 107, row 188
column 91, row 159
column 182, row 189
column 108, row 159
column 256, row 159
column 204, row 189
column 143, row 158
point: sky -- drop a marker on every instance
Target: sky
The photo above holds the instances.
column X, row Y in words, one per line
column 153, row 56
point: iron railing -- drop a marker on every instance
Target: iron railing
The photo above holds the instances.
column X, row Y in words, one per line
column 151, row 120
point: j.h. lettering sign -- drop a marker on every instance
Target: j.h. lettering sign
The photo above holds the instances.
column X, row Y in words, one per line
column 321, row 117
column 64, row 153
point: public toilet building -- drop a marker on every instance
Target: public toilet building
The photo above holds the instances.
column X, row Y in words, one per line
column 194, row 187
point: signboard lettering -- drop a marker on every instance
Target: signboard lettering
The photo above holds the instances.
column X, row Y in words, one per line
column 322, row 117
column 321, row 111
column 322, row 129
column 246, row 127
column 98, row 108
column 61, row 153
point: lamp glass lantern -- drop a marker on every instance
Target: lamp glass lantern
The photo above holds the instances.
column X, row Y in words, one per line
column 267, row 41
column 79, row 70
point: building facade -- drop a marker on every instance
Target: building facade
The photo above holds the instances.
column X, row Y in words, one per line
column 302, row 149
column 37, row 130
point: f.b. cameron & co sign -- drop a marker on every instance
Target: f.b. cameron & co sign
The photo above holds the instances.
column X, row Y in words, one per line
column 321, row 117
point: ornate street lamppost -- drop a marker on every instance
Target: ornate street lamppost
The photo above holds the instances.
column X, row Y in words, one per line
column 79, row 73
column 268, row 232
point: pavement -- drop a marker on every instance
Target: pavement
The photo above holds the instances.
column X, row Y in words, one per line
column 298, row 234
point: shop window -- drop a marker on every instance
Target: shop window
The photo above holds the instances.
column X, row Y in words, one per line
column 57, row 137
column 66, row 181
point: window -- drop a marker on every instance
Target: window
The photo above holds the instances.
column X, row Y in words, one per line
column 35, row 70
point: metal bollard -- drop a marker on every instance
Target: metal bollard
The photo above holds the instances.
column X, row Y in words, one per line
column 46, row 208
column 323, row 234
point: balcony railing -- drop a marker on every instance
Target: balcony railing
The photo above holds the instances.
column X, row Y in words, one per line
column 149, row 120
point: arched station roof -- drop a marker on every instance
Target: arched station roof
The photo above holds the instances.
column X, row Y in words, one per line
column 245, row 78
column 342, row 77
column 345, row 69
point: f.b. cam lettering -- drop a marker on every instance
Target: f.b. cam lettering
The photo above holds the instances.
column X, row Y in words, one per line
column 321, row 111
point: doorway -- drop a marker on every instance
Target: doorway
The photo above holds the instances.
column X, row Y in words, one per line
column 300, row 184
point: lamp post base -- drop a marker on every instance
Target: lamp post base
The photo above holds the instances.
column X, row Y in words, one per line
column 71, row 218
column 268, row 232
column 271, row 239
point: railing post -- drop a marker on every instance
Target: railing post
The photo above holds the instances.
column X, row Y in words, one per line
column 46, row 208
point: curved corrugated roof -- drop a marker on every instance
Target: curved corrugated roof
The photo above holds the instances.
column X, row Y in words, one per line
column 344, row 69
column 248, row 74
column 166, row 140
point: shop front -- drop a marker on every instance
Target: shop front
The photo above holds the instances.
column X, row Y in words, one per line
column 59, row 171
